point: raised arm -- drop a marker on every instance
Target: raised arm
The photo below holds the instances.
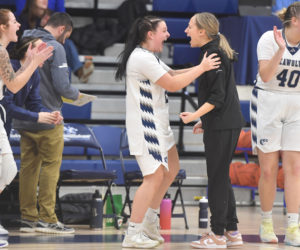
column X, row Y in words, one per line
column 14, row 81
column 173, row 82
column 267, row 68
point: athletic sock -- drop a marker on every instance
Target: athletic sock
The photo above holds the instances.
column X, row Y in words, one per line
column 292, row 218
column 267, row 215
column 151, row 215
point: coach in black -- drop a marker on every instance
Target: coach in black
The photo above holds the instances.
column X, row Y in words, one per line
column 222, row 120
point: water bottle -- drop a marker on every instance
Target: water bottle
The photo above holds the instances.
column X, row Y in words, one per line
column 203, row 213
column 96, row 220
column 165, row 212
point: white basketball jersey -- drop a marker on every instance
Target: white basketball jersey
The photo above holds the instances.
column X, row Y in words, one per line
column 287, row 74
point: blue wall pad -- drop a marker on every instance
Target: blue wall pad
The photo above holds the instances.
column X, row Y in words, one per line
column 223, row 6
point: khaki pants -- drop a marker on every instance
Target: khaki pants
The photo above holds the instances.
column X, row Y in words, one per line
column 41, row 156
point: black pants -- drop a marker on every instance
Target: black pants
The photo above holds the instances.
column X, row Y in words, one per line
column 219, row 150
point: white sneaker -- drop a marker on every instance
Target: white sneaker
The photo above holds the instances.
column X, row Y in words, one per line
column 3, row 243
column 138, row 240
column 266, row 232
column 152, row 230
column 3, row 231
column 292, row 235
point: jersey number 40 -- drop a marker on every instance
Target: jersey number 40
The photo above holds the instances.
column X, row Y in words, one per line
column 292, row 81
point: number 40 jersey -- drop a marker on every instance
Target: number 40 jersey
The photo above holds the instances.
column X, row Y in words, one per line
column 287, row 74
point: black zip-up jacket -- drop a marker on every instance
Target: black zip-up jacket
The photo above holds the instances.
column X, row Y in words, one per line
column 218, row 88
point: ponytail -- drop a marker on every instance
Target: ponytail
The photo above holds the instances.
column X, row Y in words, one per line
column 281, row 14
column 137, row 34
column 226, row 47
column 286, row 15
column 210, row 24
column 131, row 42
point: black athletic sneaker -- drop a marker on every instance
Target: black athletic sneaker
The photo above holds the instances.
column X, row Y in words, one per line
column 53, row 228
column 27, row 226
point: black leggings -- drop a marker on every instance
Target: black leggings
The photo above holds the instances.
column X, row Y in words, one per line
column 219, row 149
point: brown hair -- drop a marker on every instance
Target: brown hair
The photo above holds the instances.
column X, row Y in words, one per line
column 29, row 11
column 210, row 24
column 137, row 35
column 285, row 15
column 4, row 16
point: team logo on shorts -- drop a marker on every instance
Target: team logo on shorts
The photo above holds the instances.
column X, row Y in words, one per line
column 263, row 141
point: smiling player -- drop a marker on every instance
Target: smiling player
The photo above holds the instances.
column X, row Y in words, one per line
column 150, row 137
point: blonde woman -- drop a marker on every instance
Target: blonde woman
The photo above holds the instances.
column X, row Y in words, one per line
column 221, row 122
column 275, row 126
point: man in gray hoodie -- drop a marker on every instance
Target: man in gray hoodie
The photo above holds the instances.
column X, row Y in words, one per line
column 42, row 144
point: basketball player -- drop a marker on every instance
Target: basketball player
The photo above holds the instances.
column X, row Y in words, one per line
column 275, row 121
column 150, row 137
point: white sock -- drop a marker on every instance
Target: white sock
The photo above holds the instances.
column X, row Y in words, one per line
column 151, row 215
column 292, row 218
column 134, row 228
column 266, row 215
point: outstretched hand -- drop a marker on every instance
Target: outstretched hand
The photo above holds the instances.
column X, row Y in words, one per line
column 210, row 62
column 187, row 117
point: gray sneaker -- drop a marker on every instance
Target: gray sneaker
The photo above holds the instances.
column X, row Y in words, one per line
column 27, row 226
column 53, row 228
column 152, row 230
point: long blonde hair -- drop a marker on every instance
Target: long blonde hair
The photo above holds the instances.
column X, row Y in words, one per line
column 210, row 24
column 286, row 14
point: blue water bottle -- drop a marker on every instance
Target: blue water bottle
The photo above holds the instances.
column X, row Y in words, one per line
column 96, row 221
column 203, row 213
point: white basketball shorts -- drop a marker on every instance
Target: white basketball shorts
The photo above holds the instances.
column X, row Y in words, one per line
column 150, row 160
column 275, row 121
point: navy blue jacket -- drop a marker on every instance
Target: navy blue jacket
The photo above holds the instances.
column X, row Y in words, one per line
column 26, row 103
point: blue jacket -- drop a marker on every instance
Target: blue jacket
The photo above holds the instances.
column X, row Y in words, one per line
column 26, row 103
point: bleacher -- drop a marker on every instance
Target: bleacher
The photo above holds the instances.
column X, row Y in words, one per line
column 109, row 107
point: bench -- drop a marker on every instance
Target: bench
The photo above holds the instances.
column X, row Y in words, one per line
column 78, row 169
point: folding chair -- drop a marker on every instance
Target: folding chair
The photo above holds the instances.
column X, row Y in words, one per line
column 135, row 178
column 81, row 137
column 110, row 142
